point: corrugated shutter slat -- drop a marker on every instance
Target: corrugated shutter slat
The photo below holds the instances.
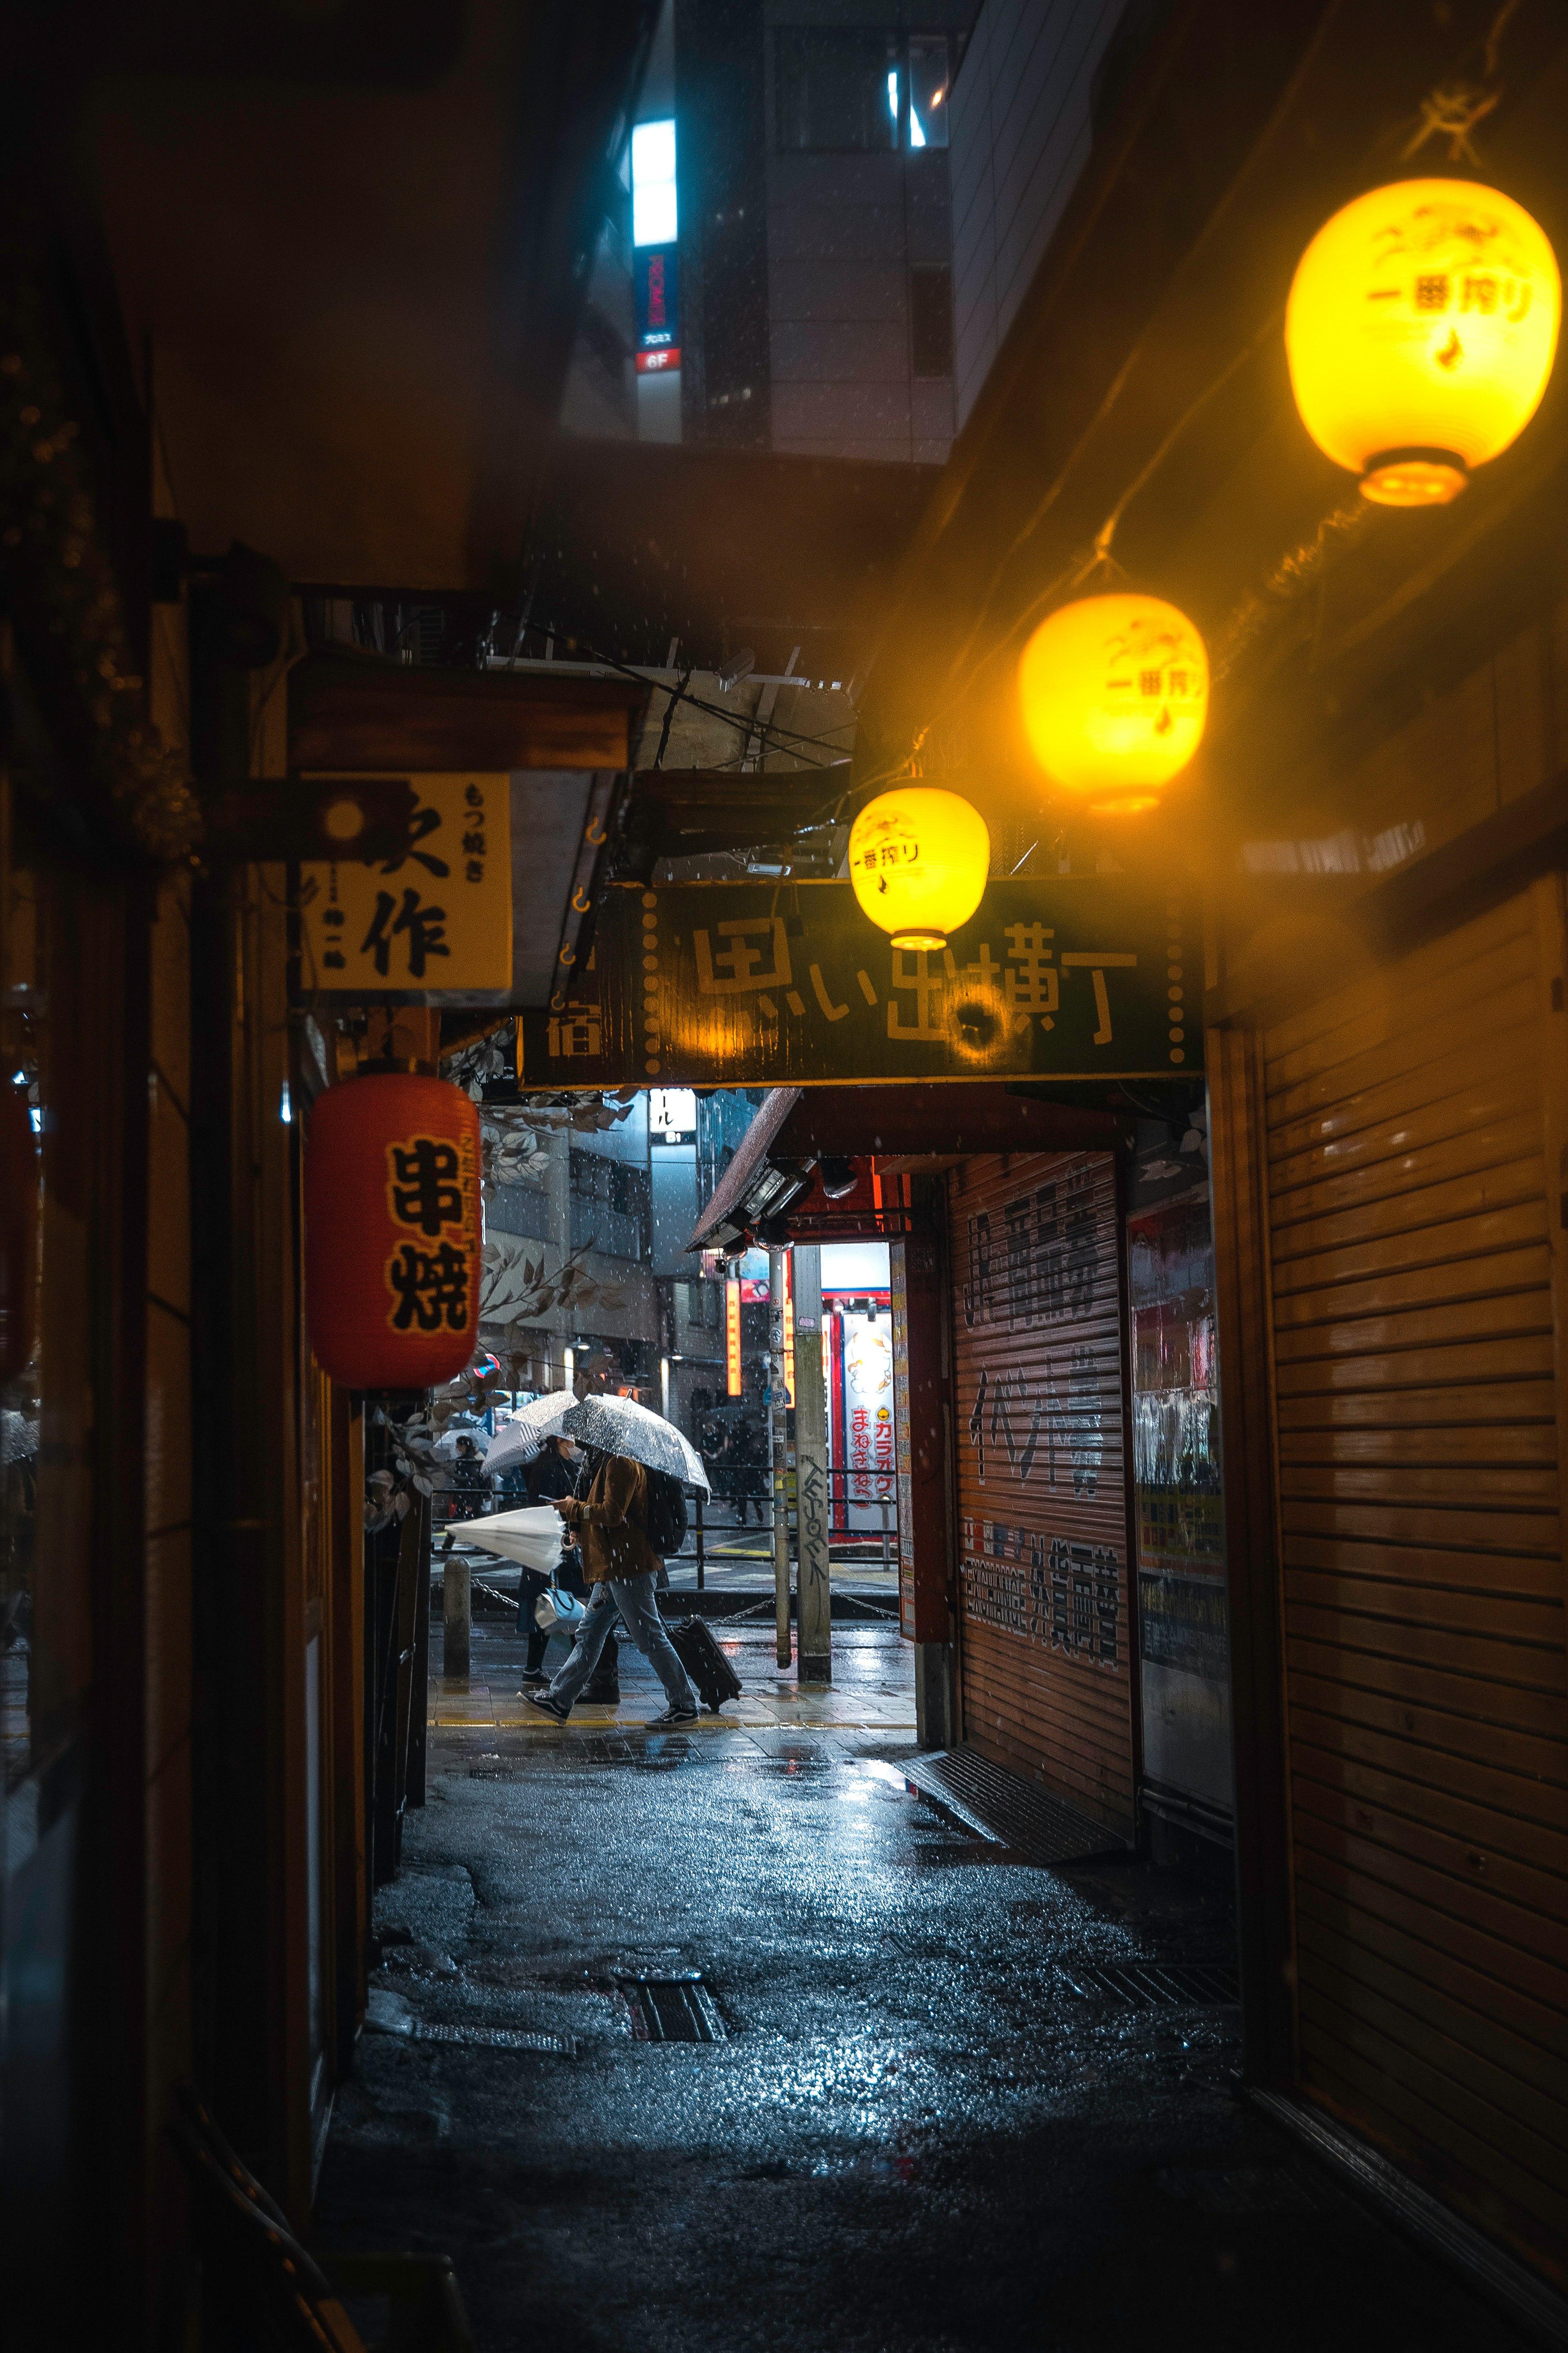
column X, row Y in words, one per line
column 1047, row 1684
column 1411, row 1228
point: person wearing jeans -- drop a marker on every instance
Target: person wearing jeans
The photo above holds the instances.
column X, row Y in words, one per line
column 622, row 1568
column 551, row 1473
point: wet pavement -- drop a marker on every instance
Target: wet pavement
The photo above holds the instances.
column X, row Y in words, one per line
column 935, row 2122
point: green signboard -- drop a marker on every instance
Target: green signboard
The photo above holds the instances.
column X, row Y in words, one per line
column 757, row 984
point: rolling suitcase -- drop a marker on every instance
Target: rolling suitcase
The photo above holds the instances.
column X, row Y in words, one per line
column 705, row 1663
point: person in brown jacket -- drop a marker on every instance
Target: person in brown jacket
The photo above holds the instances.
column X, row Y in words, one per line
column 621, row 1569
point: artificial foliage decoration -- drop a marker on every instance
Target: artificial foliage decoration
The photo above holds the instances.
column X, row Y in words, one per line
column 918, row 858
column 1420, row 333
column 1114, row 694
column 518, row 1284
column 62, row 594
column 393, row 1261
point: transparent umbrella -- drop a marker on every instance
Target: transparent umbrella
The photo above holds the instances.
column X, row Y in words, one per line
column 518, row 1440
column 618, row 1425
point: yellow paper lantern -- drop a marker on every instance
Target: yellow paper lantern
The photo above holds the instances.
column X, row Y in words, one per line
column 1420, row 333
column 1115, row 695
column 918, row 858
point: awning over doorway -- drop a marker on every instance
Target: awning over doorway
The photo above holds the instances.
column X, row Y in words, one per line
column 903, row 1129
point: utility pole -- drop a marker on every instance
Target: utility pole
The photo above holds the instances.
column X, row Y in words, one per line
column 813, row 1516
column 779, row 1339
column 558, row 1193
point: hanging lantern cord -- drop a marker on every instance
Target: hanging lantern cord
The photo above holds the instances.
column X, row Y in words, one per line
column 1302, row 568
column 1453, row 110
column 1097, row 557
column 1451, row 113
column 1099, row 565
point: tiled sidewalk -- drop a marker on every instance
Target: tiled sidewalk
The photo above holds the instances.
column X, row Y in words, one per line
column 455, row 1704
column 873, row 1690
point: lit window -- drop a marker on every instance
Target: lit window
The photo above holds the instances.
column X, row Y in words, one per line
column 929, row 74
column 848, row 90
column 653, row 183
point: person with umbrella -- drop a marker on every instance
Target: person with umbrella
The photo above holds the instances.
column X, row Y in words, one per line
column 531, row 1447
column 518, row 1439
column 619, row 1562
column 551, row 1477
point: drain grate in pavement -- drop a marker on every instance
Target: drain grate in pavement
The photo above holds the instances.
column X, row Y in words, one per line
column 388, row 2013
column 1157, row 1984
column 495, row 2038
column 1003, row 1807
column 671, row 2008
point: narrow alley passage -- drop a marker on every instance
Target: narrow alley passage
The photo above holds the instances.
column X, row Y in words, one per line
column 784, row 846
column 936, row 2120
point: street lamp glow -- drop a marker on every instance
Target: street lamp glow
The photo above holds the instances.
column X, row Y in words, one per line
column 918, row 858
column 1115, row 692
column 1420, row 333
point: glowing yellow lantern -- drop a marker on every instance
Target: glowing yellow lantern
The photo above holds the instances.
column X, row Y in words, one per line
column 918, row 858
column 1420, row 333
column 1115, row 693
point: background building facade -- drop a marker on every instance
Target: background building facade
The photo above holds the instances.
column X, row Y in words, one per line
column 790, row 287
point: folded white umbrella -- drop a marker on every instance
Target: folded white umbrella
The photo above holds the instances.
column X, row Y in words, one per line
column 532, row 1536
column 518, row 1440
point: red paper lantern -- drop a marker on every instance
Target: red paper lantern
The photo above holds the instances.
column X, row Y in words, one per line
column 391, row 1231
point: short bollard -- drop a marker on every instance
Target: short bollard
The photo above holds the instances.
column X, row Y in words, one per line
column 457, row 1619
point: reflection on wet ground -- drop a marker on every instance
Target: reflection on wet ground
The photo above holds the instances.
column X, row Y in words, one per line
column 931, row 2125
column 872, row 1687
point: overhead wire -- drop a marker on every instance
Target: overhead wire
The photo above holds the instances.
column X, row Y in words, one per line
column 669, row 714
column 747, row 726
column 1081, row 568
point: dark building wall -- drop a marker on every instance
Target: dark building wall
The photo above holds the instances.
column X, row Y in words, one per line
column 859, row 248
column 844, row 234
column 721, row 163
column 1022, row 124
column 672, row 1177
column 600, row 398
column 523, row 1210
column 816, row 300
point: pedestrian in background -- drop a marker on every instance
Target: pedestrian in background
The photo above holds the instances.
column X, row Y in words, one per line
column 750, row 1487
column 467, row 1482
column 552, row 1474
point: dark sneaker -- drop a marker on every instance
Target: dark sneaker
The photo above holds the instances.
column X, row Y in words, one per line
column 533, row 1682
column 546, row 1706
column 675, row 1715
column 600, row 1694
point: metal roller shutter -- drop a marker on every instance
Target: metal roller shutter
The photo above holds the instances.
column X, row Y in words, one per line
column 1044, row 1634
column 1417, row 1414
